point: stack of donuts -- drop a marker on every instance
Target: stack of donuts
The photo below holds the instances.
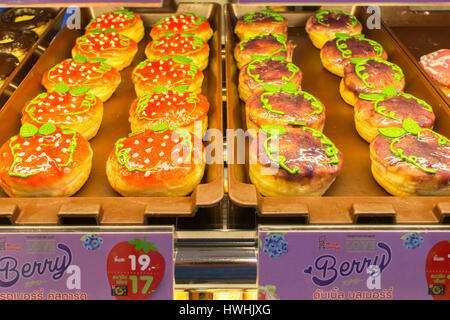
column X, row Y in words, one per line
column 20, row 28
column 289, row 154
column 407, row 157
column 164, row 154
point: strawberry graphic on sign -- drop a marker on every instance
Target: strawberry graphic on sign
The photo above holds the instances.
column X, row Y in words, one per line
column 134, row 268
column 438, row 271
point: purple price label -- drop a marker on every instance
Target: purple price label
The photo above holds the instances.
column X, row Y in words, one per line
column 86, row 266
column 354, row 265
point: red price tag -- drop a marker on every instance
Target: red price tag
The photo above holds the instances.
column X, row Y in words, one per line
column 438, row 270
column 135, row 268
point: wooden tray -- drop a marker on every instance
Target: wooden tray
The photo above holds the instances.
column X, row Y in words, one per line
column 419, row 32
column 354, row 196
column 97, row 202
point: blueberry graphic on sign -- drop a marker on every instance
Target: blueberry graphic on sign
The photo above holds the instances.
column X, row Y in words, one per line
column 412, row 240
column 91, row 241
column 275, row 245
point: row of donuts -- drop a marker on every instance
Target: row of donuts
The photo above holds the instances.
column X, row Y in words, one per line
column 407, row 157
column 20, row 28
column 289, row 155
column 51, row 155
column 169, row 115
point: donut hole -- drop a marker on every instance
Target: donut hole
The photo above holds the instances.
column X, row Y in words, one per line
column 25, row 17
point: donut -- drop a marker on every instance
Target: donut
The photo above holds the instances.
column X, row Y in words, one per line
column 16, row 42
column 101, row 78
column 369, row 75
column 32, row 19
column 117, row 50
column 325, row 24
column 263, row 45
column 44, row 161
column 8, row 63
column 436, row 64
column 183, row 23
column 76, row 108
column 184, row 45
column 411, row 161
column 181, row 109
column 124, row 21
column 263, row 21
column 388, row 109
column 158, row 162
column 292, row 163
column 336, row 53
column 272, row 70
column 169, row 72
column 286, row 107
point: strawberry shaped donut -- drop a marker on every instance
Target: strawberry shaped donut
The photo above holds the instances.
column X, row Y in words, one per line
column 44, row 161
column 159, row 162
column 117, row 49
column 178, row 108
column 76, row 108
column 436, row 64
column 124, row 21
column 169, row 72
column 184, row 45
column 79, row 71
column 183, row 23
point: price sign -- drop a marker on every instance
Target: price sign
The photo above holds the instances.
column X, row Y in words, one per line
column 354, row 264
column 87, row 265
column 135, row 268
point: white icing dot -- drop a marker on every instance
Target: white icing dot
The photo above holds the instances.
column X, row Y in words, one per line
column 161, row 154
column 135, row 155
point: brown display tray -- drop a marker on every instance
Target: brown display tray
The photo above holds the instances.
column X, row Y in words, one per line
column 19, row 73
column 354, row 196
column 97, row 202
column 419, row 31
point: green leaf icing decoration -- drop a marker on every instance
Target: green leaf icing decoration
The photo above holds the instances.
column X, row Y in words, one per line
column 79, row 91
column 389, row 92
column 392, row 132
column 47, row 128
column 79, row 58
column 28, row 130
column 161, row 127
column 160, row 89
column 409, row 126
column 61, row 87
